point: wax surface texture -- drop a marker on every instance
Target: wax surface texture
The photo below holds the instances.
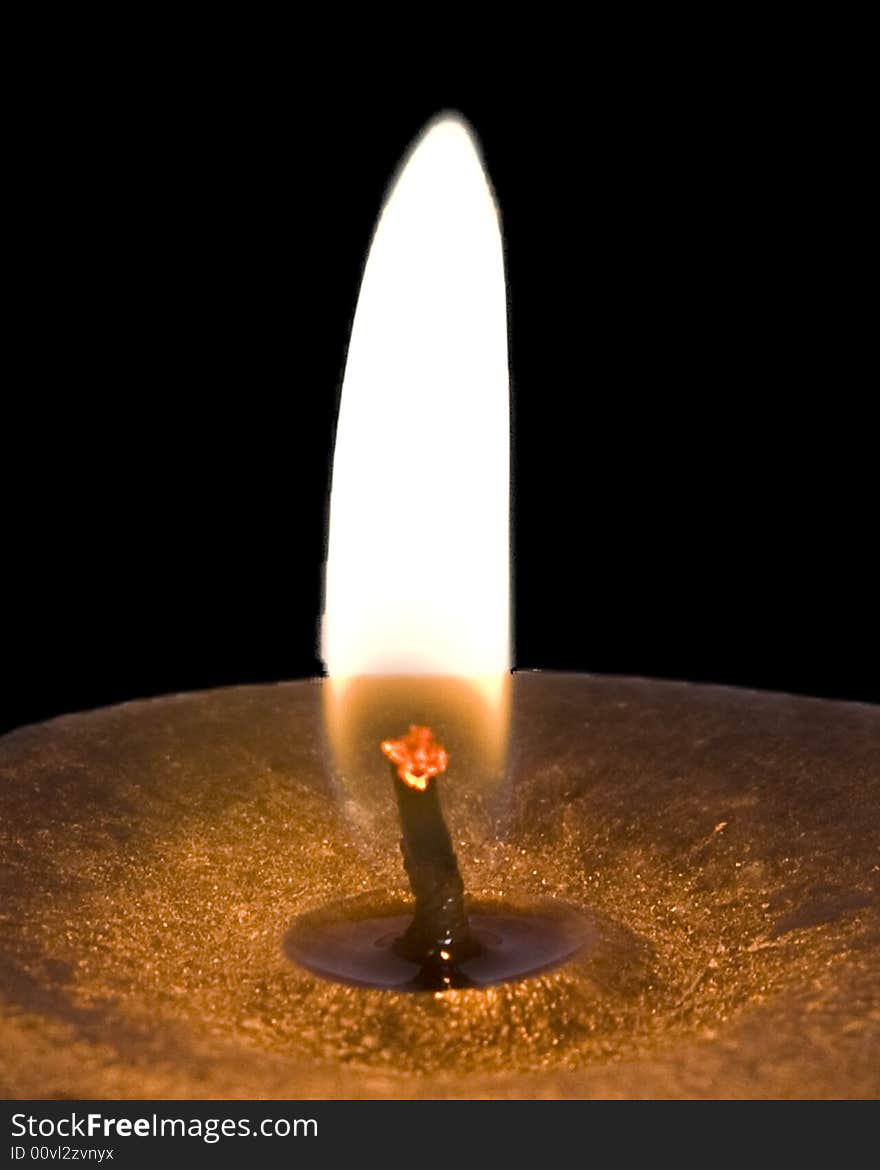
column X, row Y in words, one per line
column 725, row 844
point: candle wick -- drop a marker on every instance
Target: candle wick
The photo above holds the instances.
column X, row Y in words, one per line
column 439, row 936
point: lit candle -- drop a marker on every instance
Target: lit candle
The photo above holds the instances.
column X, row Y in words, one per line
column 165, row 859
column 418, row 572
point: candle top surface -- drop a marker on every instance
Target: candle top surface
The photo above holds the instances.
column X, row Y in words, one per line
column 723, row 843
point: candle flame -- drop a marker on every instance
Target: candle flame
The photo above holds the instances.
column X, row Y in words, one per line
column 417, row 583
column 418, row 555
column 417, row 755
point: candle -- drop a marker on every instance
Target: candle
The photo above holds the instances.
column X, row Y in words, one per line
column 721, row 844
column 688, row 875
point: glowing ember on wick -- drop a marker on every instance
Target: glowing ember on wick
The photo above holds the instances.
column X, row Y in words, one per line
column 439, row 936
column 417, row 756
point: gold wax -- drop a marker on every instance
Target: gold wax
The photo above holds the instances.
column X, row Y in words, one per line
column 724, row 844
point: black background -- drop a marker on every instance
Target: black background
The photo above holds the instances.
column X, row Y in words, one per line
column 693, row 455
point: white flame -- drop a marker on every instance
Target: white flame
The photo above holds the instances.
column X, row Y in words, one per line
column 418, row 573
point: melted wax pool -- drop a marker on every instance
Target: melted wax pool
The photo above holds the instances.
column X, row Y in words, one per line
column 359, row 950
